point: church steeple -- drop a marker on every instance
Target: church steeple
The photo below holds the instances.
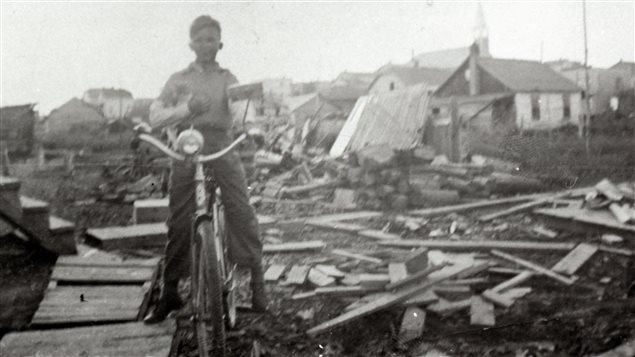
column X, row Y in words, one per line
column 481, row 34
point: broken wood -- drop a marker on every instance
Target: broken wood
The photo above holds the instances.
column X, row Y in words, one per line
column 609, row 190
column 583, row 220
column 135, row 236
column 361, row 257
column 415, row 277
column 102, row 274
column 330, row 270
column 342, row 291
column 424, row 298
column 445, row 307
column 350, row 228
column 320, row 279
column 126, row 339
column 508, row 284
column 416, row 261
column 285, row 191
column 497, row 298
column 412, row 324
column 150, row 211
column 293, row 246
column 481, row 312
column 397, row 272
column 513, row 210
column 621, row 213
column 534, row 267
column 542, row 231
column 376, row 305
column 575, row 259
column 378, row 235
column 516, row 293
column 274, row 272
column 304, row 295
column 297, row 274
column 482, row 245
column 373, row 281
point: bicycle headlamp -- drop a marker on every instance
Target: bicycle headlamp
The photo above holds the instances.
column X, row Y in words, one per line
column 189, row 142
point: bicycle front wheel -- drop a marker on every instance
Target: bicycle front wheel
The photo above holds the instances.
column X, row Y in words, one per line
column 207, row 291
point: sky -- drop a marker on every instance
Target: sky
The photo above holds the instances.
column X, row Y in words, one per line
column 54, row 51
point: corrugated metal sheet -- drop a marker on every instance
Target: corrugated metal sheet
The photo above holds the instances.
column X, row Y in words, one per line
column 396, row 119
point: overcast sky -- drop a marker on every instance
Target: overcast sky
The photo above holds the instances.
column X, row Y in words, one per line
column 53, row 51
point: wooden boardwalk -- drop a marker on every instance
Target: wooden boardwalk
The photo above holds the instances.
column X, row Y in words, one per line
column 127, row 339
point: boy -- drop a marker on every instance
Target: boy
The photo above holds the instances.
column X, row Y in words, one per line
column 198, row 96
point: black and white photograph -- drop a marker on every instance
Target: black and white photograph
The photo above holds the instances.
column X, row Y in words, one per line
column 406, row 178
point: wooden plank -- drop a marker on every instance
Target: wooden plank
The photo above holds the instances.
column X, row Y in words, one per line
column 424, row 298
column 330, row 270
column 126, row 339
column 412, row 324
column 304, row 295
column 481, row 312
column 336, row 226
column 497, row 298
column 602, row 220
column 451, row 289
column 101, row 275
column 397, row 272
column 621, row 213
column 297, row 274
column 285, row 191
column 343, row 291
column 349, row 216
column 274, row 272
column 361, row 257
column 134, row 236
column 417, row 260
column 608, row 189
column 377, row 305
column 534, row 267
column 445, row 307
column 513, row 210
column 378, row 235
column 545, row 232
column 575, row 259
column 479, row 245
column 508, row 284
column 150, row 211
column 319, row 279
column 373, row 281
column 89, row 304
column 415, row 277
column 516, row 293
column 293, row 247
column 429, row 212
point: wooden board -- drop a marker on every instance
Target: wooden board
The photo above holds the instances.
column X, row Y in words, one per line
column 330, row 270
column 343, row 291
column 297, row 274
column 516, row 280
column 361, row 257
column 445, row 307
column 150, row 211
column 319, row 279
column 481, row 312
column 135, row 236
column 336, row 226
column 293, row 247
column 583, row 219
column 377, row 305
column 424, row 298
column 373, row 281
column 347, row 216
column 126, row 339
column 476, row 245
column 416, row 261
column 513, row 210
column 535, row 267
column 274, row 272
column 497, row 298
column 412, row 324
column 63, row 305
column 378, row 235
column 101, row 274
column 575, row 259
column 397, row 272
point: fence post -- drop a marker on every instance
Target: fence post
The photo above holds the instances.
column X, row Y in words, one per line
column 455, row 127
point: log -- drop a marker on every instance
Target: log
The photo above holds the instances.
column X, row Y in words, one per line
column 377, row 305
column 534, row 267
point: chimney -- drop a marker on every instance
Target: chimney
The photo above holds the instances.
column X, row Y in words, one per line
column 474, row 79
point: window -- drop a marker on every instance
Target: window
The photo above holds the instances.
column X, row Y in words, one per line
column 566, row 106
column 436, row 111
column 392, row 85
column 535, row 106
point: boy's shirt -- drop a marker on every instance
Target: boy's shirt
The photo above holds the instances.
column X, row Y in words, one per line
column 170, row 109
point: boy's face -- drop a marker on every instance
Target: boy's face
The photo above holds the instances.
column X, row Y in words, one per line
column 205, row 43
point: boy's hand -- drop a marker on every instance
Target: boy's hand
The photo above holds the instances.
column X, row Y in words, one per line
column 198, row 104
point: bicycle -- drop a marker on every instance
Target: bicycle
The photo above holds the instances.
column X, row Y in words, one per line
column 212, row 289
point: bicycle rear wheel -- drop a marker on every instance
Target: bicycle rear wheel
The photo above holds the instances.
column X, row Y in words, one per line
column 207, row 285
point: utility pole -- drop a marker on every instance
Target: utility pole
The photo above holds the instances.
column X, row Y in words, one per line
column 587, row 95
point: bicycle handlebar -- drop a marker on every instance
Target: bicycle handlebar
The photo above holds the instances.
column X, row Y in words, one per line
column 200, row 158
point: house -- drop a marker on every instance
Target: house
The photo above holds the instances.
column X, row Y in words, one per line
column 17, row 125
column 73, row 116
column 399, row 77
column 112, row 103
column 527, row 95
column 357, row 80
column 605, row 85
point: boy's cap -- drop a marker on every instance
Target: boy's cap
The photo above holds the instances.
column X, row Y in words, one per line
column 202, row 22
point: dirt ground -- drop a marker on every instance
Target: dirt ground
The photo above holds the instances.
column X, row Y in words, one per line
column 553, row 320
